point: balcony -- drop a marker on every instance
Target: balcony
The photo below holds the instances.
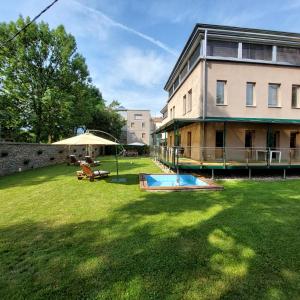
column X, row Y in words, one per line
column 227, row 157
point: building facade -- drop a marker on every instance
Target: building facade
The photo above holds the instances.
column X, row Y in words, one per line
column 138, row 126
column 234, row 99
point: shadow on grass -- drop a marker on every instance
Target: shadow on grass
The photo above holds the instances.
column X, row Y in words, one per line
column 239, row 244
column 62, row 171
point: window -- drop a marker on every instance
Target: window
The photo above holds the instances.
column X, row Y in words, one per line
column 288, row 55
column 219, row 138
column 293, row 140
column 176, row 83
column 250, row 93
column 273, row 95
column 220, row 93
column 131, row 124
column 184, row 104
column 183, row 71
column 249, row 137
column 194, row 56
column 138, row 116
column 170, row 91
column 222, row 48
column 257, row 51
column 295, row 96
column 173, row 111
column 143, row 125
column 189, row 103
column 143, row 135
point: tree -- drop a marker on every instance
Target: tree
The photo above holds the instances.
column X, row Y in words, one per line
column 46, row 92
column 42, row 80
column 108, row 120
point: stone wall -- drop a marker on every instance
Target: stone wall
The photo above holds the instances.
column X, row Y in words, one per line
column 18, row 157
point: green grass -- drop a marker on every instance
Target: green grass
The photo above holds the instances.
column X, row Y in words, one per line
column 61, row 238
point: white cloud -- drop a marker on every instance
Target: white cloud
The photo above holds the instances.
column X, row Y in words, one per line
column 111, row 22
column 144, row 68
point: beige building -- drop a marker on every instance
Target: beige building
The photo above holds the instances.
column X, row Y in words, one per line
column 138, row 126
column 234, row 99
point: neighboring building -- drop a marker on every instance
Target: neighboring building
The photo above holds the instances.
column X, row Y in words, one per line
column 156, row 122
column 138, row 126
column 234, row 100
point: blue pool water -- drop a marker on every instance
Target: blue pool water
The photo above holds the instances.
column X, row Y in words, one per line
column 173, row 180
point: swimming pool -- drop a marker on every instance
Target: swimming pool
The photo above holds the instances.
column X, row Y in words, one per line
column 175, row 182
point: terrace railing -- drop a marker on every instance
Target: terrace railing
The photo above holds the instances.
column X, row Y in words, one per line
column 184, row 155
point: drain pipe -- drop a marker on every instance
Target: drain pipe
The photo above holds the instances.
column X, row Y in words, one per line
column 204, row 89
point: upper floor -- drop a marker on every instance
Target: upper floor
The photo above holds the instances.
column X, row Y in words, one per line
column 235, row 72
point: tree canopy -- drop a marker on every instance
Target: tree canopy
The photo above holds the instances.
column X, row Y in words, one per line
column 46, row 91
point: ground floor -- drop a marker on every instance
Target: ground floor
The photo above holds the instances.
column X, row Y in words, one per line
column 232, row 144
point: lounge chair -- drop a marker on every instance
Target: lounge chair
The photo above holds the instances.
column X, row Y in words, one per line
column 73, row 161
column 91, row 162
column 87, row 172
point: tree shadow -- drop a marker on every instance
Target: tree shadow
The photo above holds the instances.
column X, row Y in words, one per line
column 235, row 244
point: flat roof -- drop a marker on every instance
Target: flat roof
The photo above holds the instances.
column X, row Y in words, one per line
column 223, row 30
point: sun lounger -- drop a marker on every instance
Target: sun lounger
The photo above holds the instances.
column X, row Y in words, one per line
column 87, row 172
column 73, row 161
column 91, row 162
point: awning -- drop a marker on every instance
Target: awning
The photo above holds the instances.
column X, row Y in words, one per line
column 187, row 121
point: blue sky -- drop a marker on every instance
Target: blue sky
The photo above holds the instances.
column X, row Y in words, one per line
column 131, row 46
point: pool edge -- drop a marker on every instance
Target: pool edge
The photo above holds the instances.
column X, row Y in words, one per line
column 211, row 185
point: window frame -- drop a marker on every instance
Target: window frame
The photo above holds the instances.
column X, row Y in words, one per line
column 190, row 101
column 278, row 104
column 184, row 105
column 253, row 94
column 297, row 106
column 224, row 93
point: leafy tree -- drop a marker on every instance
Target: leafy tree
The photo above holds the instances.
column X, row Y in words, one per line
column 107, row 119
column 46, row 92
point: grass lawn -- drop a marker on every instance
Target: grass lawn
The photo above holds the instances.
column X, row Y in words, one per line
column 61, row 238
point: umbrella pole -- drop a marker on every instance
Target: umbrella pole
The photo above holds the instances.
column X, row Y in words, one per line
column 117, row 163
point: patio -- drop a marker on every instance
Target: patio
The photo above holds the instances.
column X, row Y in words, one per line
column 68, row 239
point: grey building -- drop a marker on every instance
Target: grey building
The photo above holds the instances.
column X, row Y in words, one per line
column 137, row 127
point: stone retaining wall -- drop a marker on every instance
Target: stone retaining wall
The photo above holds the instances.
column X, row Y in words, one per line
column 18, row 157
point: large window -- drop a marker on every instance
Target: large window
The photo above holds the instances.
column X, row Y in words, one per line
column 138, row 116
column 220, row 92
column 250, row 93
column 295, row 96
column 219, row 138
column 222, row 48
column 249, row 137
column 176, row 83
column 190, row 100
column 288, row 54
column 257, row 51
column 194, row 56
column 183, row 71
column 293, row 139
column 184, row 105
column 273, row 98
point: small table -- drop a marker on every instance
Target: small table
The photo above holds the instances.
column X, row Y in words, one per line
column 275, row 151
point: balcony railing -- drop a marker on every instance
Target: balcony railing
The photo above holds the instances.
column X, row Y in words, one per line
column 183, row 155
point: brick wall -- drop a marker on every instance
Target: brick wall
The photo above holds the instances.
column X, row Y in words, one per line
column 17, row 157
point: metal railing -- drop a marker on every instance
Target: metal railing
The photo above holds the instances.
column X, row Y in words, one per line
column 184, row 155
